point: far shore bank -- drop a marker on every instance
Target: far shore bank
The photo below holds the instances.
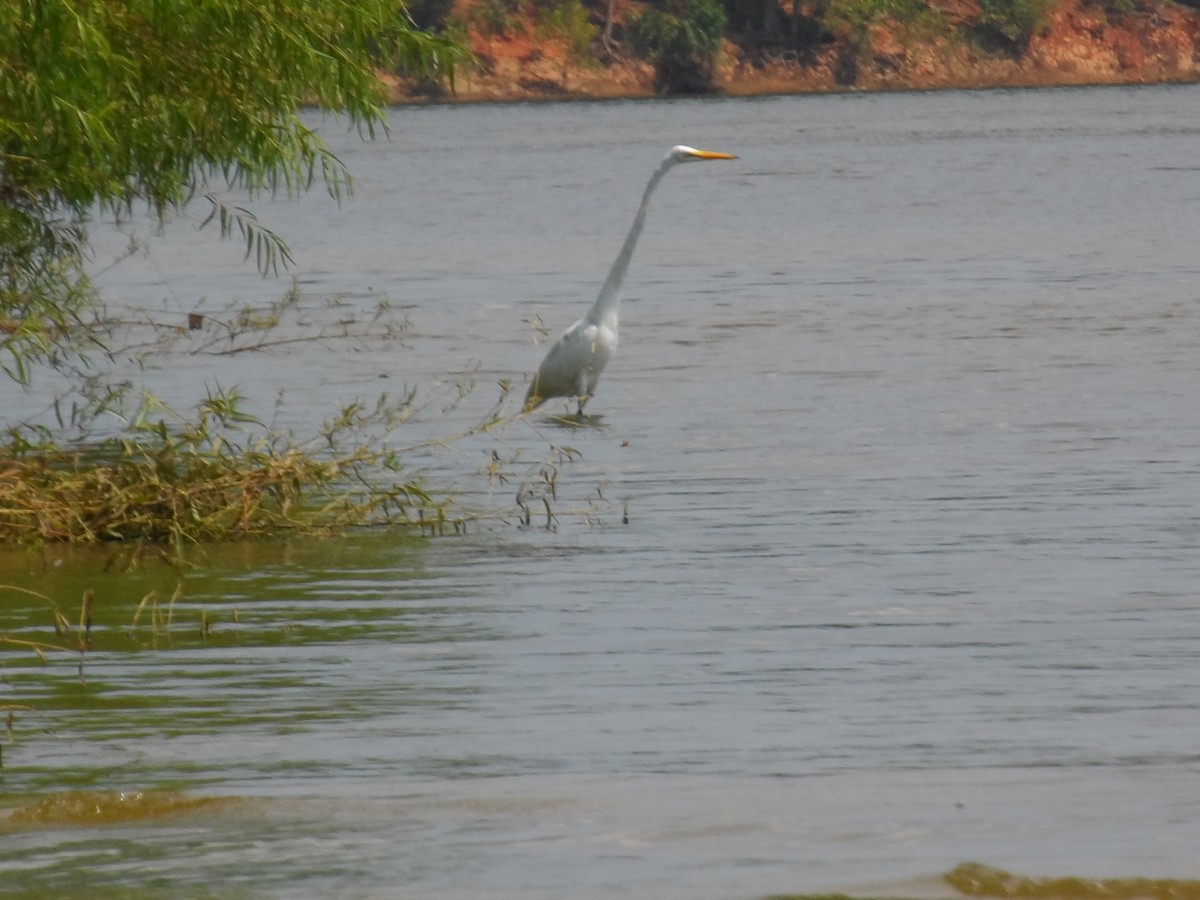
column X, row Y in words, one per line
column 776, row 80
column 1082, row 45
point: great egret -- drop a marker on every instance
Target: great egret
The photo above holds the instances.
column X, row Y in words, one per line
column 574, row 363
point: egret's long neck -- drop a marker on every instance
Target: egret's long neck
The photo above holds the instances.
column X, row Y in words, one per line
column 608, row 304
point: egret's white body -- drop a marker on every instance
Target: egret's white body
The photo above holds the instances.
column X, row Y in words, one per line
column 573, row 366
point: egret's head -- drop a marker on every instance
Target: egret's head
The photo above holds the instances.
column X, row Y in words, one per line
column 681, row 154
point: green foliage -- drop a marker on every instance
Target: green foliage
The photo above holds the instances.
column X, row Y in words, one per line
column 1125, row 7
column 852, row 21
column 497, row 16
column 568, row 23
column 682, row 40
column 1014, row 22
column 44, row 298
column 856, row 16
column 744, row 15
column 105, row 103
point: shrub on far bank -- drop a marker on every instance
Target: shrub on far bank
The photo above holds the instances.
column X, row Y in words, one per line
column 1012, row 23
column 682, row 39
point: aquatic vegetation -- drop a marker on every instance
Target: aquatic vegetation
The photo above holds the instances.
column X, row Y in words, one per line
column 978, row 880
column 100, row 808
column 218, row 475
column 216, row 471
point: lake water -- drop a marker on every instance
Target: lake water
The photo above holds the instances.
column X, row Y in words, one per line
column 904, row 426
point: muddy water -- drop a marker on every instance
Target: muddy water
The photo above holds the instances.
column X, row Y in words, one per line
column 904, row 426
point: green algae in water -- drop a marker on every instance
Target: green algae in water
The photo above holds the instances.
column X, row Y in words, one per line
column 73, row 809
column 978, row 880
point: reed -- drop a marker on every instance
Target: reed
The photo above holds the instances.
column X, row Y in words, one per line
column 221, row 476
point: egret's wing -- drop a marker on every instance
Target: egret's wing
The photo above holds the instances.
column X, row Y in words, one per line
column 557, row 376
column 572, row 366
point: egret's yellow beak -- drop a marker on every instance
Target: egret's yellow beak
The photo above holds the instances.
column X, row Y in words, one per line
column 712, row 154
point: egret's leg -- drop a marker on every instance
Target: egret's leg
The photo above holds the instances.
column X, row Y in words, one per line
column 583, row 390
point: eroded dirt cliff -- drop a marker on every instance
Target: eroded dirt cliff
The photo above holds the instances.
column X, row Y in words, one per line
column 1082, row 44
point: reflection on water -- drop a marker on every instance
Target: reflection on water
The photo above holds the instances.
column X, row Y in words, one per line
column 879, row 557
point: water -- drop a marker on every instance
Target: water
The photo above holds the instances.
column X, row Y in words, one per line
column 904, row 423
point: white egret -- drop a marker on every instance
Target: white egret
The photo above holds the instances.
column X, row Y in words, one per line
column 574, row 363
